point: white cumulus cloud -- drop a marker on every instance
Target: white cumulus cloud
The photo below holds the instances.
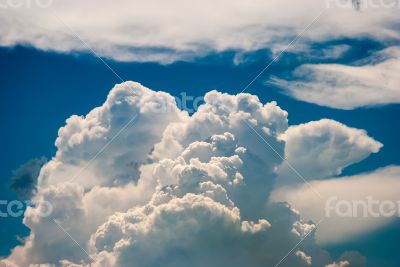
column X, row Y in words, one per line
column 322, row 149
column 171, row 189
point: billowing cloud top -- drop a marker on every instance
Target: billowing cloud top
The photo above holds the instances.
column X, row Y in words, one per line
column 168, row 31
column 328, row 144
column 138, row 182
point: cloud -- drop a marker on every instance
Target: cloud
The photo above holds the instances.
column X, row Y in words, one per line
column 322, row 149
column 137, row 115
column 194, row 230
column 381, row 185
column 354, row 257
column 339, row 264
column 194, row 192
column 375, row 82
column 164, row 32
column 24, row 179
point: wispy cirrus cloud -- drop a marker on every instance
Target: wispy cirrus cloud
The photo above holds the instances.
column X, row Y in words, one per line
column 374, row 82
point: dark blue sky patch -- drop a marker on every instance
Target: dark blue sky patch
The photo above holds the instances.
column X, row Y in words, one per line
column 381, row 246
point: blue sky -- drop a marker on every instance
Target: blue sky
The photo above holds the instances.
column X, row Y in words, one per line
column 44, row 80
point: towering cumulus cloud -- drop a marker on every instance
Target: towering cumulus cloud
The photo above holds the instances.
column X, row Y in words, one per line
column 138, row 182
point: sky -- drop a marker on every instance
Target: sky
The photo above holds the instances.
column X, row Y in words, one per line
column 347, row 76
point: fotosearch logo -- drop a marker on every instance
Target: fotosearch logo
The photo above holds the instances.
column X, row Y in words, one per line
column 16, row 208
column 363, row 4
column 368, row 207
column 25, row 3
